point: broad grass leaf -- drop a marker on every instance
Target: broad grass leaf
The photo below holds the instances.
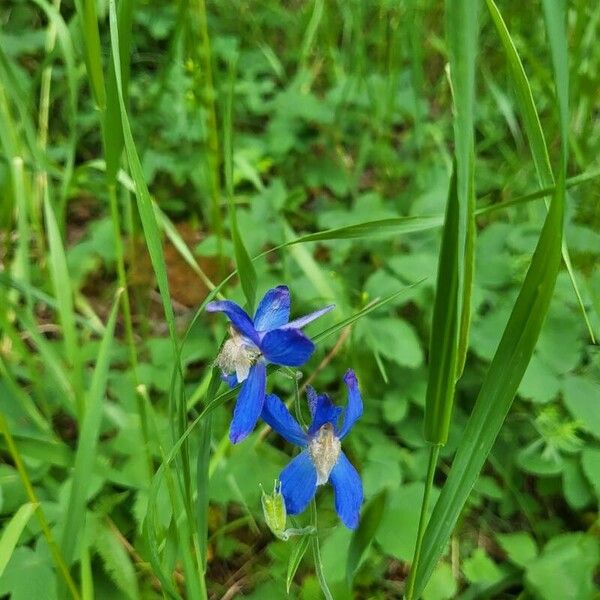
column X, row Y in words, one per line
column 498, row 389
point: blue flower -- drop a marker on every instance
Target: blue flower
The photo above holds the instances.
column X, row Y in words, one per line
column 321, row 459
column 269, row 337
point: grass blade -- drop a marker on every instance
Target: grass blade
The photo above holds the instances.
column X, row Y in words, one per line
column 12, row 533
column 88, row 441
column 443, row 347
column 362, row 537
column 532, row 124
column 144, row 202
column 64, row 298
column 295, row 559
column 92, row 52
column 498, row 390
column 245, row 267
column 461, row 33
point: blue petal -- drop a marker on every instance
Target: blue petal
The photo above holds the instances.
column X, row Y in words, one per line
column 354, row 408
column 306, row 319
column 290, row 348
column 273, row 310
column 325, row 412
column 249, row 403
column 230, row 380
column 298, row 483
column 311, row 396
column 276, row 414
column 237, row 315
column 348, row 491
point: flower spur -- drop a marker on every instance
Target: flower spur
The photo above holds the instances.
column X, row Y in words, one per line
column 269, row 337
column 321, row 459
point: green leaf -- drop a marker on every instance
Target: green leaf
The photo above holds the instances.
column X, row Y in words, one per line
column 12, row 532
column 576, row 489
column 394, row 339
column 363, row 536
column 480, row 568
column 498, row 389
column 117, row 561
column 580, row 396
column 295, row 559
column 564, row 569
column 401, row 515
column 590, row 461
column 520, row 547
column 442, row 585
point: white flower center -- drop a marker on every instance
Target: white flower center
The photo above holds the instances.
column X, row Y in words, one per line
column 324, row 449
column 237, row 355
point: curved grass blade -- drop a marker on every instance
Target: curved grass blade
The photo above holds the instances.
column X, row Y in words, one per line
column 64, row 298
column 88, row 441
column 144, row 202
column 498, row 390
column 533, row 127
column 295, row 559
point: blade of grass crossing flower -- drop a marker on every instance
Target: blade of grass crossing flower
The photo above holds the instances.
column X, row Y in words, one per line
column 375, row 229
column 498, row 389
column 310, row 267
column 531, row 120
column 12, row 532
column 361, row 313
column 88, row 441
column 461, row 34
column 64, row 297
column 244, row 264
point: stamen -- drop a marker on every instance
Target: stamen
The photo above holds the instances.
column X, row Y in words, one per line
column 237, row 355
column 324, row 449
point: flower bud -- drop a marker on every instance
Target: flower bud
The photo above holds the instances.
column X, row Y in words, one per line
column 274, row 510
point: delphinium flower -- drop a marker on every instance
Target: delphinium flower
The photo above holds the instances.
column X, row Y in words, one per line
column 321, row 459
column 268, row 338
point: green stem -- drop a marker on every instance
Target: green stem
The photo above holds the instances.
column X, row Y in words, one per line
column 314, row 542
column 434, row 453
column 54, row 550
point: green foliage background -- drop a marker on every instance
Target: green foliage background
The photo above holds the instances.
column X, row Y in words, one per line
column 256, row 123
